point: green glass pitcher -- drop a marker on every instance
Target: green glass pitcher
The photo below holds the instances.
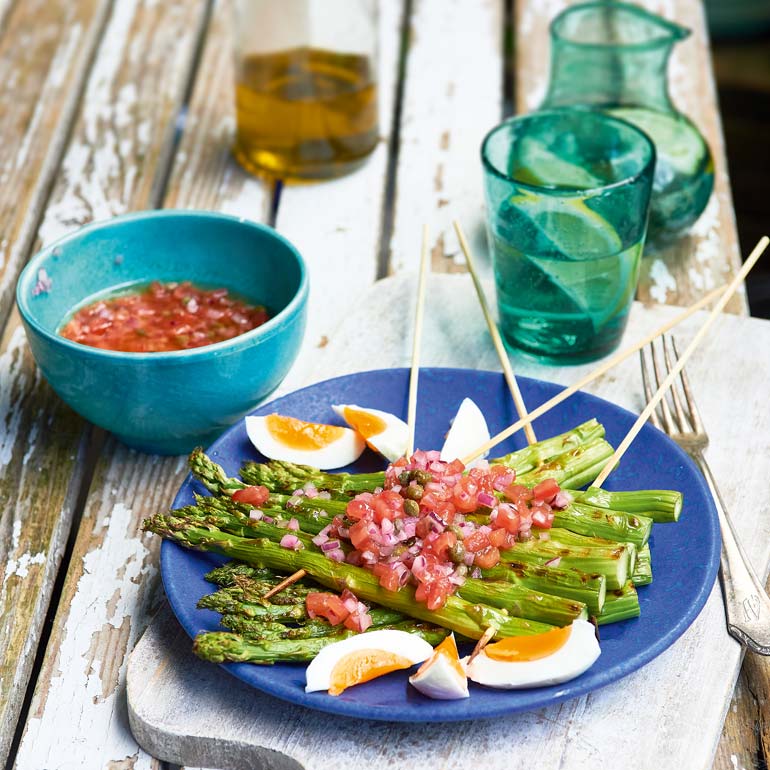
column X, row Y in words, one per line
column 614, row 56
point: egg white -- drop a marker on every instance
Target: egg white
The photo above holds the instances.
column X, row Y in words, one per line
column 342, row 451
column 468, row 432
column 409, row 646
column 577, row 655
column 390, row 442
column 440, row 680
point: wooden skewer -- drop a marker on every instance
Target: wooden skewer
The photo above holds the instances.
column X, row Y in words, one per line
column 411, row 414
column 497, row 341
column 666, row 384
column 482, row 643
column 285, row 583
column 591, row 376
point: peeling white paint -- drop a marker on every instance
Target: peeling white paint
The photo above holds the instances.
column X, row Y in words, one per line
column 20, row 566
column 661, row 281
column 77, row 712
column 13, row 386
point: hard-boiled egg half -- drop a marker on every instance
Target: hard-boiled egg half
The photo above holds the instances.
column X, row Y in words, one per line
column 310, row 443
column 363, row 657
column 468, row 432
column 442, row 676
column 383, row 432
column 536, row 661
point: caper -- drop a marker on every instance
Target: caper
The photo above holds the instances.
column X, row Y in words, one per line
column 458, row 533
column 423, row 477
column 404, row 477
column 414, row 492
column 411, row 508
column 457, row 553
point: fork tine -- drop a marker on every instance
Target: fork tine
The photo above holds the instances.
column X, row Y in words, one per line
column 695, row 419
column 667, row 355
column 668, row 418
column 648, row 390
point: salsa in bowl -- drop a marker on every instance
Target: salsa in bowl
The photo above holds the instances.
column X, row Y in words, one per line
column 166, row 401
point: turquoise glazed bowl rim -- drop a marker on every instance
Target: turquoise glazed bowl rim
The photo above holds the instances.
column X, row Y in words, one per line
column 268, row 329
column 646, row 167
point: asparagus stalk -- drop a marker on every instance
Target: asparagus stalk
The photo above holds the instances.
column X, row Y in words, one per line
column 224, row 646
column 262, row 629
column 564, row 538
column 226, row 574
column 642, row 573
column 602, row 522
column 571, row 584
column 533, row 456
column 458, row 615
column 660, row 505
column 518, row 600
column 613, row 562
column 621, row 604
column 574, row 468
column 524, row 602
column 227, row 604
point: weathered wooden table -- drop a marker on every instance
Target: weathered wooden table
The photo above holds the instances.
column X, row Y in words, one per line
column 107, row 107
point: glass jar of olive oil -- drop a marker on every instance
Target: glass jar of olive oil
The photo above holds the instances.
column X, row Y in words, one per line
column 306, row 86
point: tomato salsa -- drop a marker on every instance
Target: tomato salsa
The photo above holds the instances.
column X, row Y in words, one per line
column 163, row 317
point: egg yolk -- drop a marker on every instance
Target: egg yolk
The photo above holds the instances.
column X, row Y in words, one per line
column 448, row 650
column 516, row 648
column 298, row 434
column 365, row 423
column 363, row 665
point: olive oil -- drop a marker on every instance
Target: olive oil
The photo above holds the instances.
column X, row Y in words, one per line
column 305, row 113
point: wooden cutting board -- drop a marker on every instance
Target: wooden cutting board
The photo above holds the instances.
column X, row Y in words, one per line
column 668, row 715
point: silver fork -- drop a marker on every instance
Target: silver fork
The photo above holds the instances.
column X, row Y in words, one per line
column 747, row 606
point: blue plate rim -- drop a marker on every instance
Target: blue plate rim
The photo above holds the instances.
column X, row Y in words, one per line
column 599, row 679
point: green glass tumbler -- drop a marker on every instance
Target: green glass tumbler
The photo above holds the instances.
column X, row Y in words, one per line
column 567, row 195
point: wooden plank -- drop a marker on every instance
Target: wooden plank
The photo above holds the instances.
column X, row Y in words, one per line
column 685, row 690
column 452, row 97
column 45, row 54
column 46, row 50
column 115, row 153
column 709, row 254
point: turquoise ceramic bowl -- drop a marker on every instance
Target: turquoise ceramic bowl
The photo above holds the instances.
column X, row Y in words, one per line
column 166, row 403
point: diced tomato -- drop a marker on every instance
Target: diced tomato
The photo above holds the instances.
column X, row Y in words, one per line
column 441, row 546
column 464, row 495
column 358, row 622
column 446, row 511
column 327, row 606
column 487, row 557
column 438, row 591
column 359, row 509
column 389, row 578
column 498, row 537
column 518, row 493
column 546, row 490
column 476, row 541
column 388, row 505
column 424, row 527
column 253, row 495
column 508, row 518
column 359, row 534
column 454, row 467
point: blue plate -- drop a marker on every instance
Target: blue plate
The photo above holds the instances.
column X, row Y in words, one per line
column 685, row 555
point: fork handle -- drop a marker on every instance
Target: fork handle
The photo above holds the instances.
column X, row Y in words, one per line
column 747, row 606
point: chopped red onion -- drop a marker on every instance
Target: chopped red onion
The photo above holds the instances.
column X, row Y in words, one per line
column 255, row 514
column 484, row 498
column 268, row 519
column 337, row 555
column 293, row 501
column 330, row 545
column 325, row 495
column 293, row 524
column 386, row 526
column 476, row 573
column 292, row 542
column 555, row 562
column 562, row 499
column 468, row 558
